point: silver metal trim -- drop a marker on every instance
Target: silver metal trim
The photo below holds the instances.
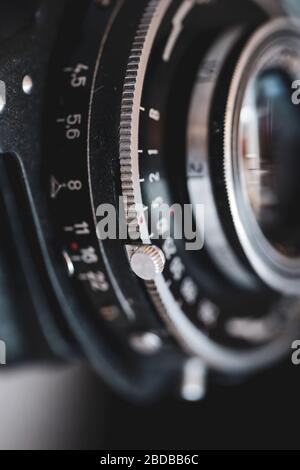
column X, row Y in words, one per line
column 270, row 269
column 199, row 185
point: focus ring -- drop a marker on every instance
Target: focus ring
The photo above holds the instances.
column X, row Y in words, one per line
column 127, row 119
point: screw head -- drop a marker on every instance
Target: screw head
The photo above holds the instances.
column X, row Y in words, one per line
column 147, row 261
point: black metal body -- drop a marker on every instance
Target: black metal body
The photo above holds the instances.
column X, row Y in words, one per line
column 42, row 317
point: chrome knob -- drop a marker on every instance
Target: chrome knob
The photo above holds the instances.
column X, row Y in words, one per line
column 147, row 261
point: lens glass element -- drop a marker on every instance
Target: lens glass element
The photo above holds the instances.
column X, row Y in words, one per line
column 269, row 146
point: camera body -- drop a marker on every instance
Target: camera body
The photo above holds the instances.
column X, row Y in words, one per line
column 143, row 107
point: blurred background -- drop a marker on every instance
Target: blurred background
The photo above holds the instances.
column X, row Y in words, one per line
column 70, row 408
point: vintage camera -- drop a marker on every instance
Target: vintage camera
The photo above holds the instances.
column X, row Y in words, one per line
column 124, row 123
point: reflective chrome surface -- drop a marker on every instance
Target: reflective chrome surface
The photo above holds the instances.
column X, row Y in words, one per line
column 261, row 148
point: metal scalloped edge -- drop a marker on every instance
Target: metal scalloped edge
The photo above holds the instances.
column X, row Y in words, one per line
column 127, row 118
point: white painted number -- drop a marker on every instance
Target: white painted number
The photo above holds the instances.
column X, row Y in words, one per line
column 154, row 177
column 154, row 114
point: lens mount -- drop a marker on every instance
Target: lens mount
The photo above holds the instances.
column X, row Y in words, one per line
column 253, row 174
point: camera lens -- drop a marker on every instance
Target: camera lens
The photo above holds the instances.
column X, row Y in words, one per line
column 145, row 127
column 269, row 146
column 264, row 152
